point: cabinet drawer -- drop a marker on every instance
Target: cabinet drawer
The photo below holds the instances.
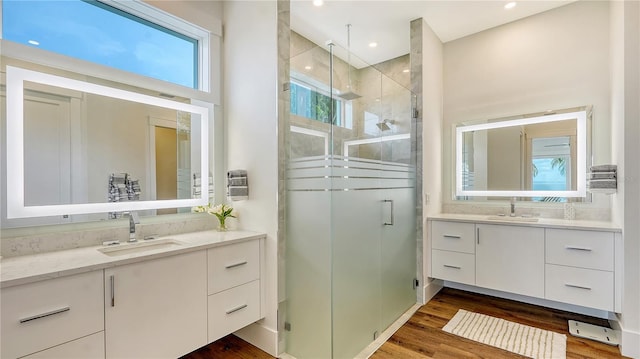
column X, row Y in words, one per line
column 89, row 347
column 453, row 266
column 233, row 309
column 585, row 287
column 41, row 315
column 453, row 236
column 232, row 265
column 585, row 249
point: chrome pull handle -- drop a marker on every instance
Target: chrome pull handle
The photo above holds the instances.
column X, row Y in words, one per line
column 44, row 315
column 450, row 266
column 240, row 307
column 112, row 278
column 451, row 236
column 577, row 286
column 478, row 235
column 235, row 265
column 391, row 220
column 578, row 248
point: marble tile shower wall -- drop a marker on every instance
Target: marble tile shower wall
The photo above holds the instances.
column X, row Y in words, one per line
column 383, row 97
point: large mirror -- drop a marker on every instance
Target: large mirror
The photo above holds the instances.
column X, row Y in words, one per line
column 541, row 156
column 76, row 147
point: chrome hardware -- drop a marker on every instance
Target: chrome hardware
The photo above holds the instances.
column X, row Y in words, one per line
column 478, row 235
column 450, row 266
column 133, row 220
column 451, row 236
column 576, row 286
column 113, row 290
column 390, row 223
column 44, row 315
column 513, row 207
column 236, row 309
column 236, row 265
column 578, row 248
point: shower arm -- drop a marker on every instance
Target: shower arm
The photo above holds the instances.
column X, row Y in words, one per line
column 349, row 56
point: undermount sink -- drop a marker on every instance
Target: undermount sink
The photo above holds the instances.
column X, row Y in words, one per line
column 139, row 247
column 512, row 219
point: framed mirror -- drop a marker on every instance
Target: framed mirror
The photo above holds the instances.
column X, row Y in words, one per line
column 543, row 157
column 76, row 147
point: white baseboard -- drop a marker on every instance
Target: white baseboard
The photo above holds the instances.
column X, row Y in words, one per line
column 431, row 289
column 629, row 341
column 260, row 336
column 388, row 333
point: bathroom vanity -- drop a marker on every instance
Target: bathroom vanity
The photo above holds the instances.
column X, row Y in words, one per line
column 158, row 299
column 570, row 262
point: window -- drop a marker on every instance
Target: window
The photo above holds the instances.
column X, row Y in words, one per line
column 551, row 168
column 100, row 33
column 311, row 102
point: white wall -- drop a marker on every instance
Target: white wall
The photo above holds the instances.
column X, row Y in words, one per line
column 432, row 92
column 625, row 114
column 250, row 104
column 553, row 60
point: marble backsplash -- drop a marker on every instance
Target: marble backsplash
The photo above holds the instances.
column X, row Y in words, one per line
column 34, row 240
column 558, row 211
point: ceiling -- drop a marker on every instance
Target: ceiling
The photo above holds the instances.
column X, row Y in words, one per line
column 387, row 22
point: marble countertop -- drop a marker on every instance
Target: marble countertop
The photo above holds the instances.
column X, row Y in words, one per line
column 36, row 267
column 524, row 221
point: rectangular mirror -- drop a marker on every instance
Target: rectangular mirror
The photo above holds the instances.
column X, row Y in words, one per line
column 541, row 157
column 76, row 147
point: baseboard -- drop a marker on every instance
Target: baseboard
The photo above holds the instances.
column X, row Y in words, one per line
column 387, row 333
column 431, row 289
column 262, row 337
column 629, row 341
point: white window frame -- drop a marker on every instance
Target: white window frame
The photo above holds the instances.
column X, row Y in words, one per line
column 208, row 43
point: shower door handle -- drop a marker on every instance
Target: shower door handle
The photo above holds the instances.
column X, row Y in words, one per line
column 391, row 215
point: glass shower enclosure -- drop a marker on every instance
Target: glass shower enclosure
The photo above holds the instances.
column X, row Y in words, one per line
column 351, row 201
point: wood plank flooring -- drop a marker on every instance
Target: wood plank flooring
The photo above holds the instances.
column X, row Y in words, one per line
column 422, row 336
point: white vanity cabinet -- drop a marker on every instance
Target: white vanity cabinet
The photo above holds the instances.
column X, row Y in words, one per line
column 54, row 318
column 580, row 267
column 510, row 259
column 567, row 265
column 156, row 308
column 453, row 251
column 234, row 287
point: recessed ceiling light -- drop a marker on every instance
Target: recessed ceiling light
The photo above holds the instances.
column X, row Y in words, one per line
column 307, row 67
column 373, row 44
column 318, row 2
column 405, row 70
column 33, row 42
column 510, row 5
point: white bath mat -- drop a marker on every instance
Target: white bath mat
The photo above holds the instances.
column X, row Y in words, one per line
column 517, row 338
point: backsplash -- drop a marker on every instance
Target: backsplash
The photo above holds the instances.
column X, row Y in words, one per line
column 582, row 212
column 61, row 237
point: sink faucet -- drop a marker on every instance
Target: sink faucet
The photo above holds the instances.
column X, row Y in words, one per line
column 133, row 220
column 513, row 207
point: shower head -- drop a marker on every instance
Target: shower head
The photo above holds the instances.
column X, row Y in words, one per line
column 349, row 96
column 384, row 125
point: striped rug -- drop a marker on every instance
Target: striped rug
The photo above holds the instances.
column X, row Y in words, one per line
column 517, row 338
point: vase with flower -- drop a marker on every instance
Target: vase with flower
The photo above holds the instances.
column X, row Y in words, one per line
column 221, row 211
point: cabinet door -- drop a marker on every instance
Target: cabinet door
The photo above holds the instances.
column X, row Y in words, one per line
column 510, row 259
column 156, row 308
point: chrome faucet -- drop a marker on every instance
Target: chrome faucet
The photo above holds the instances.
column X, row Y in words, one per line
column 133, row 220
column 513, row 207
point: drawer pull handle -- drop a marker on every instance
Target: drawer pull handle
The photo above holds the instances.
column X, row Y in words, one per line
column 113, row 290
column 240, row 307
column 236, row 265
column 576, row 286
column 44, row 315
column 579, row 248
column 451, row 236
column 450, row 266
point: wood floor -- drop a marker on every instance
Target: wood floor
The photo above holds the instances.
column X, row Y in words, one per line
column 422, row 336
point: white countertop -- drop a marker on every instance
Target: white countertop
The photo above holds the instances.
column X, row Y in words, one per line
column 541, row 222
column 32, row 268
